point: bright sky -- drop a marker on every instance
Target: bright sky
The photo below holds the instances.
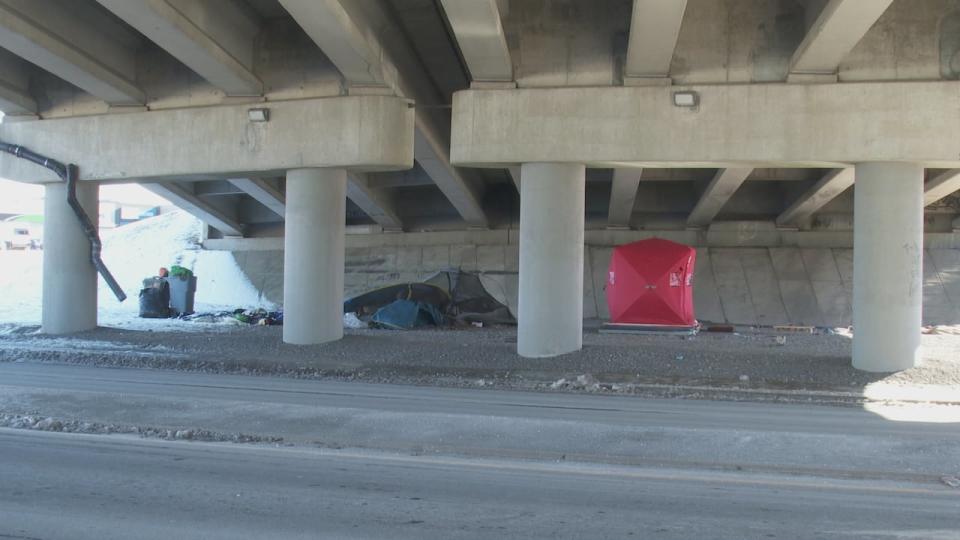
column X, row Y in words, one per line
column 20, row 198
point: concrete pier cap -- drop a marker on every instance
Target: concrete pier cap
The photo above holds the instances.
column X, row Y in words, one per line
column 362, row 133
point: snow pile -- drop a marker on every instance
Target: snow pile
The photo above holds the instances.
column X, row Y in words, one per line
column 132, row 253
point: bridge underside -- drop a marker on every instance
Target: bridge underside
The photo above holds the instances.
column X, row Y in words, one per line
column 819, row 123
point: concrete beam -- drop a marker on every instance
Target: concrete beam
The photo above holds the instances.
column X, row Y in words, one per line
column 216, row 188
column 187, row 201
column 623, row 195
column 204, row 143
column 479, row 32
column 369, row 50
column 434, row 157
column 825, row 190
column 214, row 38
column 828, row 125
column 338, row 28
column 73, row 46
column 263, row 192
column 373, row 202
column 944, row 184
column 654, row 29
column 836, row 31
column 724, row 184
column 515, row 176
column 15, row 98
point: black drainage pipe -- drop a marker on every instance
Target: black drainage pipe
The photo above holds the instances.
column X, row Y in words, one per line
column 69, row 174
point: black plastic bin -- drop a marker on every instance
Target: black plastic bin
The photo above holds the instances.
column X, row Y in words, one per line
column 182, row 291
column 155, row 298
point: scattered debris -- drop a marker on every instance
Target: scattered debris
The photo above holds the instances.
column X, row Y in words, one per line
column 952, row 330
column 952, row 481
column 350, row 320
column 40, row 423
column 781, row 340
column 744, row 378
column 582, row 382
column 794, row 328
column 259, row 317
column 726, row 328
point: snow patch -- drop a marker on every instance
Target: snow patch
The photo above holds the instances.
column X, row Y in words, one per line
column 133, row 252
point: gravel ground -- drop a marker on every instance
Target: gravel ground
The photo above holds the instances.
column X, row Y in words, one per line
column 46, row 423
column 749, row 360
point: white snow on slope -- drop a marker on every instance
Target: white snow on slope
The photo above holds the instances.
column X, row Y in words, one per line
column 132, row 253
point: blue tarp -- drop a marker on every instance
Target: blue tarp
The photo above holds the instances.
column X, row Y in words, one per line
column 407, row 314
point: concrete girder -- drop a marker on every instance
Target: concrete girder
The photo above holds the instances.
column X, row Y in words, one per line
column 623, row 196
column 836, row 31
column 515, row 176
column 434, row 158
column 213, row 38
column 216, row 188
column 479, row 32
column 616, row 126
column 654, row 29
column 187, row 201
column 73, row 48
column 373, row 202
column 15, row 98
column 825, row 190
column 263, row 192
column 724, row 184
column 944, row 184
column 336, row 28
column 366, row 133
column 369, row 50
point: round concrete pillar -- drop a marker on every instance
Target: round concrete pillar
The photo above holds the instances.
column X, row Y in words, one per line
column 550, row 306
column 69, row 277
column 313, row 256
column 887, row 266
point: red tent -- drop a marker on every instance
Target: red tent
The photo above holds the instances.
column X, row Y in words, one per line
column 650, row 282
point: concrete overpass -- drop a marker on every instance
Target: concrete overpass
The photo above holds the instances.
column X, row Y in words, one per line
column 825, row 122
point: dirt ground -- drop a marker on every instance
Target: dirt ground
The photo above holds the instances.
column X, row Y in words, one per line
column 750, row 360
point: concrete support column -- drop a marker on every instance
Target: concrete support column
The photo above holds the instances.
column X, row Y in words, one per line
column 69, row 278
column 313, row 256
column 550, row 307
column 887, row 266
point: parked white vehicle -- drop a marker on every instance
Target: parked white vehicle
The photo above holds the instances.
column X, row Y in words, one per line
column 18, row 235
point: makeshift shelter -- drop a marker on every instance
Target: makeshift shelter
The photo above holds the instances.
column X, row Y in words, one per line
column 447, row 296
column 406, row 315
column 650, row 282
column 469, row 299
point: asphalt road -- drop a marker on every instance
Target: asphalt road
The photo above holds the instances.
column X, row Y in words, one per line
column 79, row 487
column 423, row 462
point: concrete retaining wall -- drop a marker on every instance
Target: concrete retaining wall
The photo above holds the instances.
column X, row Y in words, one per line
column 738, row 285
